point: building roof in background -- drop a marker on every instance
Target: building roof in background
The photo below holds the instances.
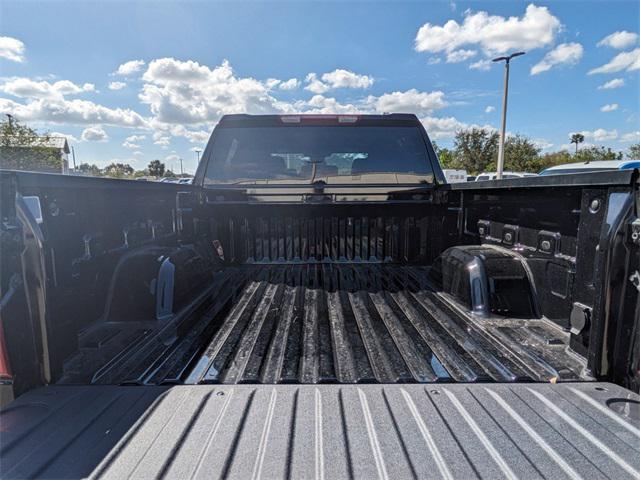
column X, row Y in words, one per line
column 59, row 143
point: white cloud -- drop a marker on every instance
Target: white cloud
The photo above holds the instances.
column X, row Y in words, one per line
column 339, row 78
column 272, row 83
column 135, row 138
column 446, row 127
column 410, row 101
column 172, row 158
column 483, row 65
column 599, row 135
column 494, row 34
column 290, row 84
column 563, row 54
column 631, row 137
column 138, row 153
column 571, row 146
column 164, row 142
column 490, row 109
column 130, row 67
column 314, row 84
column 611, row 84
column 12, row 49
column 130, row 141
column 70, row 138
column 602, row 135
column 461, row 55
column 188, row 93
column 434, row 60
column 117, row 85
column 542, row 143
column 160, row 138
column 94, row 134
column 26, row 88
column 628, row 61
column 73, row 112
column 619, row 40
column 322, row 104
column 609, row 107
column 194, row 136
column 442, row 127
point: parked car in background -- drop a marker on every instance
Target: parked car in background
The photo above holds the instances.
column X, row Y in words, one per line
column 494, row 175
column 455, row 176
column 584, row 167
column 180, row 181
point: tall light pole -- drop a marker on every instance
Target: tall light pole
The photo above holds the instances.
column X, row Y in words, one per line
column 198, row 153
column 181, row 170
column 507, row 60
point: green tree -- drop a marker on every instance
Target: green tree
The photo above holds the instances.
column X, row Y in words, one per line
column 475, row 149
column 118, row 170
column 552, row 159
column 577, row 138
column 521, row 154
column 446, row 156
column 634, row 152
column 156, row 168
column 23, row 148
column 169, row 174
column 592, row 154
column 88, row 169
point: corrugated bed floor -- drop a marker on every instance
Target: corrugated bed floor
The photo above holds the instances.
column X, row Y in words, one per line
column 350, row 323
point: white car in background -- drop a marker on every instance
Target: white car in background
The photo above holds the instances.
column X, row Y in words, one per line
column 494, row 175
column 585, row 167
column 455, row 176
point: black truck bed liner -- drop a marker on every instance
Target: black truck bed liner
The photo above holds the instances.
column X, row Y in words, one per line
column 364, row 323
column 330, row 323
column 582, row 430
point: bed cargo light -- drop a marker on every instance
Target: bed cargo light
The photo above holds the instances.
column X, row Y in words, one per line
column 302, row 118
column 290, row 118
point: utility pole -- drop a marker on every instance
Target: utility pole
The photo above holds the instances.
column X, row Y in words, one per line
column 181, row 170
column 503, row 127
column 198, row 154
column 73, row 155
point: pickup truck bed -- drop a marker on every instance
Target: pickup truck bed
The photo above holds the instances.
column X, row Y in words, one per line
column 572, row 430
column 328, row 323
column 322, row 327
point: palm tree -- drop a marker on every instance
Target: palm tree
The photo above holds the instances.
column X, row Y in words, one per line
column 577, row 138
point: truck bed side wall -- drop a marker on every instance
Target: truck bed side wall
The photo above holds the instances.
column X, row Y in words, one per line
column 575, row 248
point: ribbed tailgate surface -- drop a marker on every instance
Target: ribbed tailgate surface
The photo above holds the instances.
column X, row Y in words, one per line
column 324, row 431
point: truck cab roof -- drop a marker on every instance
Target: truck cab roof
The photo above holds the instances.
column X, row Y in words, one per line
column 246, row 120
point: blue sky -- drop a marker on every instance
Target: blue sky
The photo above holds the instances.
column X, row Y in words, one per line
column 135, row 81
